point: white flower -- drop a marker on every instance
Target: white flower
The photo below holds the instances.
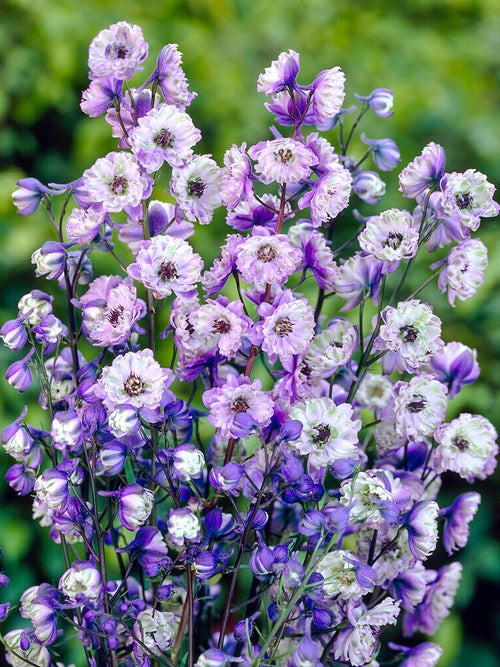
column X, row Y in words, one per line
column 390, row 236
column 364, row 492
column 374, row 392
column 332, row 348
column 37, row 654
column 329, row 433
column 183, row 525
column 189, row 462
column 81, row 582
column 337, row 568
column 419, row 406
column 156, row 629
column 467, row 446
column 38, row 303
column 197, row 188
column 470, row 197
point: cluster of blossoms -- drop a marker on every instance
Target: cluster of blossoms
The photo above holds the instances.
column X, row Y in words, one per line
column 283, row 438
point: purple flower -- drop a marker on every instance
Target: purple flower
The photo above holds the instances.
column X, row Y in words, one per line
column 368, row 186
column 19, row 373
column 426, row 654
column 329, row 196
column 100, row 96
column 110, row 310
column 49, row 259
column 170, row 76
column 317, row 256
column 457, row 519
column 419, row 407
column 282, row 160
column 357, row 279
column 267, row 257
column 166, row 264
column 66, row 431
column 328, row 96
column 49, row 331
column 385, row 152
column 424, row 172
column 381, row 101
column 421, row 524
column 455, row 366
column 165, row 133
column 28, row 197
column 238, row 396
column 227, row 477
column 464, row 270
column 221, row 323
column 281, row 74
column 117, row 51
column 83, row 224
column 21, row 478
column 197, row 188
column 236, row 183
column 52, row 488
column 13, row 334
column 150, row 549
column 215, row 278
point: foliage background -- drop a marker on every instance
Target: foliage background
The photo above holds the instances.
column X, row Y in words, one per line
column 442, row 60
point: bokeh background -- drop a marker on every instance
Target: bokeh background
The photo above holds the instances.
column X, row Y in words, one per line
column 442, row 60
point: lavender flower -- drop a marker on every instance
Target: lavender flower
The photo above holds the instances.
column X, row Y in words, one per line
column 268, row 258
column 457, row 519
column 455, row 366
column 101, row 95
column 236, row 183
column 329, row 196
column 28, row 197
column 170, row 76
column 328, row 95
column 423, row 173
column 419, row 406
column 196, row 187
column 421, row 524
column 464, row 270
column 13, row 334
column 281, row 74
column 368, row 186
column 385, row 152
column 117, row 51
column 390, row 236
column 282, row 160
column 221, row 323
column 358, row 278
column 380, row 101
column 470, row 197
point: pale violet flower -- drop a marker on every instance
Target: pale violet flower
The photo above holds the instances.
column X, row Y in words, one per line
column 135, row 505
column 35, row 654
column 425, row 171
column 221, row 323
column 156, row 629
column 464, row 270
column 117, row 51
column 368, row 494
column 83, row 225
column 419, row 406
column 280, row 74
column 197, row 188
column 329, row 431
column 422, row 527
column 390, row 236
column 166, row 264
column 282, row 160
column 329, row 196
column 466, row 446
column 235, row 182
column 470, row 197
column 369, row 186
column 328, row 95
column 164, row 134
column 332, row 348
column 135, row 378
column 266, row 257
column 338, row 571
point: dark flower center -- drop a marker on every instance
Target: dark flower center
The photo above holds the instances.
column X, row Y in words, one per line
column 283, row 327
column 133, row 385
column 283, row 155
column 196, row 187
column 393, row 240
column 221, row 326
column 167, row 271
column 113, row 316
column 118, row 185
column 409, row 333
column 239, row 405
column 322, row 434
column 164, row 139
column 418, row 404
column 460, row 443
column 117, row 51
column 463, row 200
column 266, row 253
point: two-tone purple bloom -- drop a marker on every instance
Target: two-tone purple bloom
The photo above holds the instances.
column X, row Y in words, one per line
column 280, row 75
column 380, row 101
column 221, row 323
column 329, row 196
column 117, row 51
column 469, row 196
column 236, row 183
column 385, row 152
column 197, row 188
column 464, row 270
column 266, row 257
column 282, row 161
column 29, row 195
column 457, row 519
column 170, row 77
column 424, row 172
column 368, row 186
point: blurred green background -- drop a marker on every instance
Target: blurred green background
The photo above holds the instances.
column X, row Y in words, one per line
column 441, row 59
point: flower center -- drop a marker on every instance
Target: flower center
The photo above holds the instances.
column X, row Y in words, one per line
column 117, row 51
column 167, row 271
column 460, row 443
column 196, row 187
column 418, row 404
column 118, row 185
column 113, row 316
column 393, row 240
column 266, row 253
column 409, row 333
column 322, row 434
column 463, row 200
column 133, row 385
column 221, row 326
column 164, row 139
column 239, row 405
column 283, row 155
column 283, row 327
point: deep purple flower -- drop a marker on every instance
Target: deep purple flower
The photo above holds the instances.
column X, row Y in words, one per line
column 150, row 549
column 455, row 365
column 13, row 334
column 170, row 76
column 102, row 94
column 357, row 279
column 227, row 477
column 20, row 478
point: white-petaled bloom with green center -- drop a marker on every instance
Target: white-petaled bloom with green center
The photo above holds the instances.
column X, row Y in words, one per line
column 332, row 348
column 156, row 629
column 466, row 446
column 337, row 569
column 36, row 654
column 136, row 379
column 197, row 188
column 37, row 304
column 182, row 525
column 390, row 236
column 82, row 582
column 329, row 432
column 367, row 492
column 374, row 391
column 410, row 334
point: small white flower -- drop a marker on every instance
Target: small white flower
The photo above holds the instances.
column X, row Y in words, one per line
column 197, row 188
column 337, row 568
column 390, row 236
column 156, row 629
column 363, row 492
column 81, row 582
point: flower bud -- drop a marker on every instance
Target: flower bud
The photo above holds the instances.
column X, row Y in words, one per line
column 381, row 101
column 368, row 186
column 66, row 431
column 13, row 334
column 188, row 462
column 34, row 306
column 19, row 373
column 52, row 489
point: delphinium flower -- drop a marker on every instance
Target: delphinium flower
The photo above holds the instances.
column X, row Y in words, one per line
column 467, row 445
column 196, row 187
column 368, row 186
column 183, row 524
column 135, row 378
column 22, row 646
column 358, row 278
column 332, row 348
column 280, row 74
column 455, row 366
column 28, row 197
column 380, row 101
column 34, row 306
column 469, row 196
column 324, row 151
column 282, row 160
column 327, row 95
column 238, row 398
column 424, row 172
column 221, row 323
column 419, row 406
column 165, row 264
column 410, row 335
column 49, row 259
column 13, row 334
column 81, row 582
column 250, row 212
column 101, row 95
column 157, row 631
column 329, row 195
column 215, row 278
column 236, row 183
column 374, row 392
column 426, row 654
column 165, row 133
column 457, row 519
column 287, row 326
column 385, row 152
column 117, row 51
column 170, row 77
column 421, row 525
column 317, row 256
column 110, row 309
column 345, row 575
column 390, row 236
column 116, row 181
column 329, row 432
column 264, row 257
column 464, row 270
column 371, row 497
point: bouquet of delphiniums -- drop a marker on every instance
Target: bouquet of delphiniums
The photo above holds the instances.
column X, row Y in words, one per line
column 266, row 496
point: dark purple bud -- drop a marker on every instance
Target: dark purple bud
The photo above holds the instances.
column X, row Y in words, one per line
column 312, row 523
column 4, row 610
column 322, row 618
column 24, row 642
column 4, row 580
column 291, row 430
column 164, row 592
column 273, row 611
column 336, row 519
column 227, row 477
column 205, row 565
column 245, row 628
